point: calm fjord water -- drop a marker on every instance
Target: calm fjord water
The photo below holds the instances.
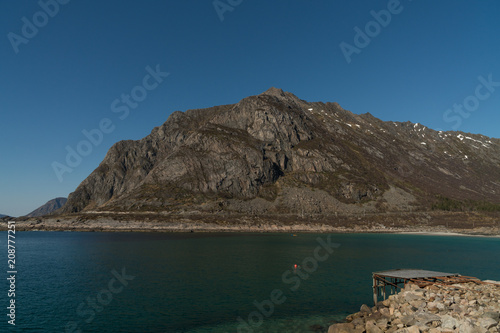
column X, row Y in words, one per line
column 204, row 282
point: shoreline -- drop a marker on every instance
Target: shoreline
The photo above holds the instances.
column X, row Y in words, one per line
column 253, row 231
column 445, row 233
column 239, row 224
column 418, row 223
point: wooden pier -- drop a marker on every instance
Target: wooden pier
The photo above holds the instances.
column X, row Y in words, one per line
column 398, row 278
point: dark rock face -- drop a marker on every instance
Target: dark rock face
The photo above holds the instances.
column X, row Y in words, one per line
column 49, row 207
column 275, row 153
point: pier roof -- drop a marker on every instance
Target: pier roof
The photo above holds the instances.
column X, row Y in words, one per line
column 413, row 274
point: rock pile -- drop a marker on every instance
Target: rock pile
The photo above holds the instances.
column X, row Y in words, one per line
column 464, row 308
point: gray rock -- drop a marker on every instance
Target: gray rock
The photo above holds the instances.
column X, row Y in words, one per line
column 448, row 322
column 413, row 329
column 427, row 318
column 342, row 328
column 456, row 308
column 487, row 322
column 417, row 304
column 408, row 320
column 386, row 312
column 358, row 322
column 411, row 297
column 440, row 306
column 371, row 327
column 365, row 308
column 382, row 323
column 432, row 307
column 492, row 315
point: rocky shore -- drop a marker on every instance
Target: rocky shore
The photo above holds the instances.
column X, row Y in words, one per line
column 472, row 307
column 402, row 222
column 188, row 225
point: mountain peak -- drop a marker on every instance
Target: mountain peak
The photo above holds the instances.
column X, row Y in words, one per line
column 281, row 95
column 268, row 152
column 274, row 92
column 49, row 207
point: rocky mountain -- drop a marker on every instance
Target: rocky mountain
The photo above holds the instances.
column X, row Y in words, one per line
column 49, row 207
column 275, row 153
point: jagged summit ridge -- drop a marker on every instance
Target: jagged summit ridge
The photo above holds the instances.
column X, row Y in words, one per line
column 274, row 92
column 280, row 94
column 274, row 152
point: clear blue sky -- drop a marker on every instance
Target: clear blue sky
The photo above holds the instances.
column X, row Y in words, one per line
column 64, row 78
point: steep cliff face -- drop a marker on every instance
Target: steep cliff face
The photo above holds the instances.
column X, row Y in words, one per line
column 276, row 153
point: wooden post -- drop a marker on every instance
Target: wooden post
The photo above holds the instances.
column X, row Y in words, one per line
column 375, row 291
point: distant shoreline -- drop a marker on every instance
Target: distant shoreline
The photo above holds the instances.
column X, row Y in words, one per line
column 311, row 231
column 447, row 233
column 439, row 224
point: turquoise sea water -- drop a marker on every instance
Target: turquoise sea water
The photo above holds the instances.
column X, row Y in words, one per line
column 205, row 282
